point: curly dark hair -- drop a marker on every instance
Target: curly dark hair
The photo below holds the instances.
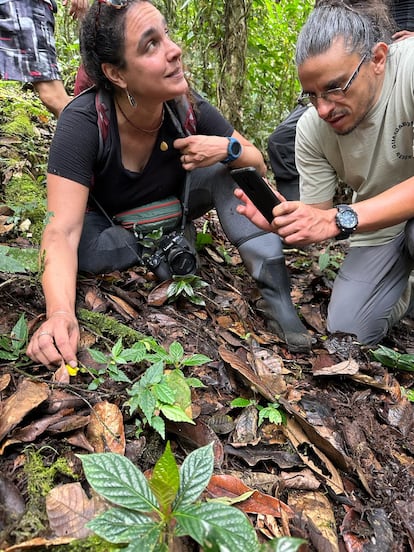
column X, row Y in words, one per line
column 102, row 40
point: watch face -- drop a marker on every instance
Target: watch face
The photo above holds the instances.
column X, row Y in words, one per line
column 347, row 219
column 235, row 147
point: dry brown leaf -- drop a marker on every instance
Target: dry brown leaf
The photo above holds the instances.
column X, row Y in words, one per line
column 105, row 430
column 60, row 399
column 247, row 373
column 28, row 395
column 346, row 367
column 123, row 307
column 61, row 375
column 159, row 295
column 197, row 436
column 38, row 542
column 4, row 381
column 69, row 509
column 303, row 480
column 29, row 433
column 313, row 457
column 316, row 514
column 79, row 440
column 257, row 503
column 69, row 423
column 94, row 301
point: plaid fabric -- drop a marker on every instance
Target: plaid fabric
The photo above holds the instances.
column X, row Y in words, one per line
column 27, row 43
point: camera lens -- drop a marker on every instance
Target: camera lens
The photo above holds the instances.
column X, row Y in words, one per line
column 182, row 262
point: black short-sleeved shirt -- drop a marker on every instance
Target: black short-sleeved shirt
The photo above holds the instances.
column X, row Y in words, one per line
column 74, row 151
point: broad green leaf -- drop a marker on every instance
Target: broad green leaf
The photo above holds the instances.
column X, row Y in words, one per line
column 16, row 259
column 8, row 355
column 147, row 403
column 194, row 382
column 19, row 333
column 117, row 479
column 120, row 525
column 179, row 385
column 195, row 473
column 175, row 413
column 98, row 356
column 324, row 260
column 215, row 522
column 272, row 414
column 164, row 393
column 165, row 479
column 283, row 544
column 176, row 352
column 196, row 360
column 135, row 354
column 153, row 374
column 392, row 359
column 158, row 424
column 240, row 403
column 117, row 348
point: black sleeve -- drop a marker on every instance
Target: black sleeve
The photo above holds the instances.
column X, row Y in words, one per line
column 209, row 119
column 75, row 143
column 281, row 147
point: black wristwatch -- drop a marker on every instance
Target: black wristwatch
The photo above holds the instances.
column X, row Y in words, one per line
column 346, row 220
column 234, row 150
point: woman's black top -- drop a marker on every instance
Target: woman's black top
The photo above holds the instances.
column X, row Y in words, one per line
column 75, row 145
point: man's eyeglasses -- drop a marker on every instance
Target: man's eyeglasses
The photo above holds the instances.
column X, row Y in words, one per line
column 117, row 4
column 333, row 95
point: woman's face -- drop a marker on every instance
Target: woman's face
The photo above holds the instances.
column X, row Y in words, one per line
column 153, row 69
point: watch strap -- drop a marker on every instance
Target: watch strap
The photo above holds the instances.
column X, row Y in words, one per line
column 232, row 155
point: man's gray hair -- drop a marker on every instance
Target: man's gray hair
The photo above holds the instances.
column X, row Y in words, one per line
column 360, row 24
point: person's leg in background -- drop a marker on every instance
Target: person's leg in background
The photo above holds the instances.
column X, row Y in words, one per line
column 28, row 51
column 281, row 151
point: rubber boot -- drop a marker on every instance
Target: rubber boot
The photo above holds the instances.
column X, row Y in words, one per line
column 273, row 280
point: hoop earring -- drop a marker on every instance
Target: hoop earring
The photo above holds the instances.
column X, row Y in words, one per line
column 131, row 99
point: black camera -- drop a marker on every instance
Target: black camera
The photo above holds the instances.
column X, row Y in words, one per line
column 174, row 257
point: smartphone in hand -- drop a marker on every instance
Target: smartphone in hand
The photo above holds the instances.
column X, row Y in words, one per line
column 256, row 189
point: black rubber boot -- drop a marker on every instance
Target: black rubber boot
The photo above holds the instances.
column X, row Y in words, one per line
column 273, row 281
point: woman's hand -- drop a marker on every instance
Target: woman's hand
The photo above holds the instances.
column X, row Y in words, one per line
column 201, row 151
column 56, row 340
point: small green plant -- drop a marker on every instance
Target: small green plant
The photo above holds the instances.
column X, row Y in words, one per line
column 150, row 514
column 392, row 359
column 409, row 393
column 271, row 412
column 13, row 347
column 329, row 262
column 165, row 391
column 159, row 390
column 188, row 286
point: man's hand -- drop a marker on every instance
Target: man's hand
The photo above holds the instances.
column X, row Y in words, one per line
column 295, row 222
column 300, row 224
column 78, row 8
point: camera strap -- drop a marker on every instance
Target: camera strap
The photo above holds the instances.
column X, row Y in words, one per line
column 186, row 192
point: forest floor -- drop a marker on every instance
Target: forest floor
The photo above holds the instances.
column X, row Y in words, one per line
column 341, row 461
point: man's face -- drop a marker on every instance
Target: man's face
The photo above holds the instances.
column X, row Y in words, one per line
column 332, row 70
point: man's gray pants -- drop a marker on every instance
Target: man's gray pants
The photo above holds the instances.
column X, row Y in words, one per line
column 372, row 290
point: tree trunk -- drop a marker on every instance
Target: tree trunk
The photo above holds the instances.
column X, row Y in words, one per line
column 232, row 61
